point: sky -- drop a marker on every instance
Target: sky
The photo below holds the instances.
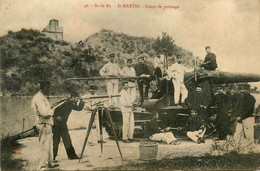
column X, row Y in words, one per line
column 230, row 27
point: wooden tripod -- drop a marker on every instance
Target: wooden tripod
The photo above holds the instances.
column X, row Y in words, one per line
column 100, row 110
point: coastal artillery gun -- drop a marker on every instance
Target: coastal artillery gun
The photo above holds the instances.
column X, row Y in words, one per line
column 174, row 116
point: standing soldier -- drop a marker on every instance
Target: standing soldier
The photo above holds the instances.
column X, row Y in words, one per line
column 44, row 122
column 129, row 71
column 127, row 114
column 176, row 72
column 243, row 108
column 224, row 119
column 159, row 64
column 142, row 69
column 60, row 130
column 111, row 69
column 90, row 106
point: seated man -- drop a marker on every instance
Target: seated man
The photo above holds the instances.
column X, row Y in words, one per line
column 156, row 133
column 210, row 62
column 196, row 127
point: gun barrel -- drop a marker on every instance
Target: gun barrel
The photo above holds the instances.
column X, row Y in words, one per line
column 219, row 77
column 101, row 96
column 226, row 77
column 107, row 78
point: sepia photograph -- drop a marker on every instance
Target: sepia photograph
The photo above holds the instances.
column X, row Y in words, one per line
column 130, row 84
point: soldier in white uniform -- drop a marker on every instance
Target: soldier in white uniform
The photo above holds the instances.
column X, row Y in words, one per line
column 159, row 64
column 176, row 72
column 129, row 71
column 127, row 114
column 44, row 122
column 89, row 107
column 111, row 69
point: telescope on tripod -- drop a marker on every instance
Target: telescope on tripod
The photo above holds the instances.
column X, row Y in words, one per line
column 99, row 111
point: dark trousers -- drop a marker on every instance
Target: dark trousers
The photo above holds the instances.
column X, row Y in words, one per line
column 61, row 131
column 141, row 84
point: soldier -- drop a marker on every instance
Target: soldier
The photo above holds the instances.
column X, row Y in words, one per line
column 60, row 129
column 90, row 106
column 196, row 122
column 127, row 114
column 159, row 133
column 142, row 69
column 159, row 65
column 111, row 69
column 129, row 71
column 224, row 119
column 176, row 72
column 210, row 62
column 44, row 122
column 243, row 108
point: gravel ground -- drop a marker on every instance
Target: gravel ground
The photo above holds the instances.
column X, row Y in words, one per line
column 186, row 155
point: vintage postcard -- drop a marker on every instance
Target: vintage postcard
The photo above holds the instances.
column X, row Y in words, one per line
column 130, row 84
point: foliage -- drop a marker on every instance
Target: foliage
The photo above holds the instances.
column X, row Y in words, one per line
column 8, row 147
column 231, row 146
column 166, row 43
column 28, row 56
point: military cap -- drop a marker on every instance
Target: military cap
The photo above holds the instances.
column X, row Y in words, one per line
column 125, row 82
column 44, row 84
column 179, row 56
column 129, row 60
column 74, row 94
column 112, row 55
column 207, row 47
column 93, row 87
column 141, row 57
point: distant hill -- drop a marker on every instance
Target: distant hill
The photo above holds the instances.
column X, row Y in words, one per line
column 28, row 56
column 124, row 46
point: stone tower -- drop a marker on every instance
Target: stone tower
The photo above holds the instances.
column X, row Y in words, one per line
column 53, row 30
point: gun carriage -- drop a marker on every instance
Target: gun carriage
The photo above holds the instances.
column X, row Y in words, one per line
column 175, row 116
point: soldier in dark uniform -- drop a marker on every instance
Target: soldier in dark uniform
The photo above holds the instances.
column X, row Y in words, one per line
column 243, row 108
column 196, row 124
column 224, row 119
column 210, row 62
column 142, row 69
column 196, row 102
column 60, row 129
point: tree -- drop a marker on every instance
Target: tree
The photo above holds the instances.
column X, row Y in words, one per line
column 164, row 43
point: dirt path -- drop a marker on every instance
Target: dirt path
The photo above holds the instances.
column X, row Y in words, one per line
column 92, row 157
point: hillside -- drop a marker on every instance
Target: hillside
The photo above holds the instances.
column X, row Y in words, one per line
column 125, row 46
column 28, row 56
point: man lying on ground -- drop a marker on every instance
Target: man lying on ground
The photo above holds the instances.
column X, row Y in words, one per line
column 156, row 133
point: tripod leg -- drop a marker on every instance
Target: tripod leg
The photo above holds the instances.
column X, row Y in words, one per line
column 114, row 132
column 100, row 113
column 88, row 132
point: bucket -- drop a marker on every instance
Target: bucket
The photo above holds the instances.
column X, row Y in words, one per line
column 148, row 150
